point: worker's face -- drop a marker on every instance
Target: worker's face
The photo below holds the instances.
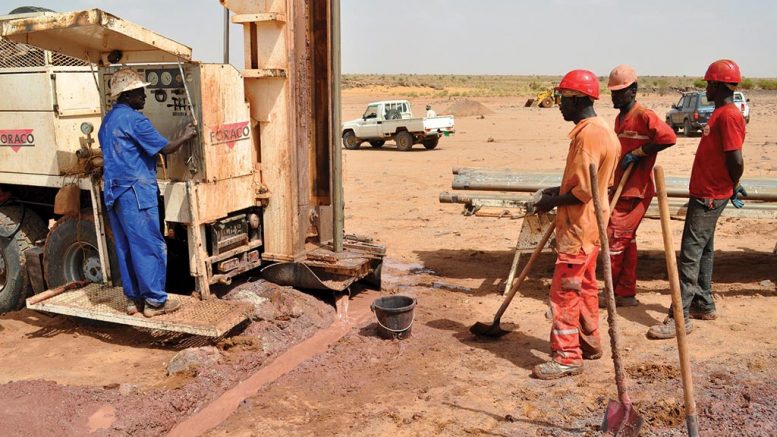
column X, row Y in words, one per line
column 136, row 98
column 712, row 90
column 623, row 98
column 568, row 108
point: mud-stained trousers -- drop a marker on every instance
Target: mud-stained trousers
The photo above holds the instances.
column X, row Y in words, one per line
column 575, row 305
column 622, row 234
column 697, row 252
column 141, row 251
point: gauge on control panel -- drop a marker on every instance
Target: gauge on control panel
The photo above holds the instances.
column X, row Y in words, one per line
column 167, row 78
column 160, row 95
column 153, row 78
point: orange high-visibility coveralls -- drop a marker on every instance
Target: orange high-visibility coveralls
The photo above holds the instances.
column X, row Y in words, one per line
column 574, row 290
column 639, row 127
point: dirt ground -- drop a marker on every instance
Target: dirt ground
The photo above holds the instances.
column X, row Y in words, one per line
column 441, row 380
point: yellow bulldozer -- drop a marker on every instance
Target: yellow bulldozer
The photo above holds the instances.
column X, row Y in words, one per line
column 544, row 99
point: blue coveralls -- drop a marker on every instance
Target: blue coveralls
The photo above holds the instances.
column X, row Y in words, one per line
column 130, row 144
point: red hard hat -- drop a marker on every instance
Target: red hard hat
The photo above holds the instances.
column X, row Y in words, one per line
column 723, row 70
column 582, row 81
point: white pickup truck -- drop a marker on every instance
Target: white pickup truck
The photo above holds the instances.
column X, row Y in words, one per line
column 742, row 103
column 393, row 120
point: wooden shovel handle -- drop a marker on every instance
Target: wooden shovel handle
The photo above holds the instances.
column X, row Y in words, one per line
column 677, row 303
column 612, row 314
column 621, row 184
column 525, row 272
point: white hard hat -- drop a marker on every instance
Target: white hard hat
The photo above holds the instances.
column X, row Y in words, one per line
column 126, row 80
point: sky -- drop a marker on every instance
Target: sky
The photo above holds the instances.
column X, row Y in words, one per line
column 545, row 37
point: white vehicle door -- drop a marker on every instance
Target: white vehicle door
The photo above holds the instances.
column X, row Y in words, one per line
column 370, row 128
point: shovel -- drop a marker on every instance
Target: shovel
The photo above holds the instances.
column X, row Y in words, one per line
column 621, row 419
column 691, row 419
column 494, row 330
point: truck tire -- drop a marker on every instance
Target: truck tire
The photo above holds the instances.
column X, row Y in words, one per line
column 71, row 254
column 20, row 227
column 687, row 128
column 404, row 141
column 377, row 143
column 350, row 141
column 431, row 143
column 547, row 102
column 674, row 128
column 393, row 115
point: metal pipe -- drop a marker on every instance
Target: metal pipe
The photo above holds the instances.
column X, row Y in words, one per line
column 763, row 189
column 467, row 198
column 338, row 209
column 226, row 35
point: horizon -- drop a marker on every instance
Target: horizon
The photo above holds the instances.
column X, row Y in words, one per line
column 499, row 37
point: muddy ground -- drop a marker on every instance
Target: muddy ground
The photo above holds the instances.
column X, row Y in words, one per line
column 441, row 380
column 83, row 377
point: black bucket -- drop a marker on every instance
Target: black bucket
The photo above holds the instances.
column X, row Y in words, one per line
column 395, row 316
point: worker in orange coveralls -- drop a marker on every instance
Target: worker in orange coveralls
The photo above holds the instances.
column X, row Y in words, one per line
column 573, row 291
column 642, row 135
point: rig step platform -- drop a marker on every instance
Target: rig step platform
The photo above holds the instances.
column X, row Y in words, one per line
column 208, row 318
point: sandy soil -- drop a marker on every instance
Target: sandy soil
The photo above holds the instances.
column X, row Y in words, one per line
column 441, row 380
column 444, row 381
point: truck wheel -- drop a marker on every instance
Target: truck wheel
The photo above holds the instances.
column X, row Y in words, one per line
column 71, row 254
column 674, row 128
column 350, row 141
column 431, row 143
column 393, row 115
column 19, row 229
column 377, row 143
column 404, row 141
column 687, row 127
column 547, row 102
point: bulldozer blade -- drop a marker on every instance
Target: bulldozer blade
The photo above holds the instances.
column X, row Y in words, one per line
column 621, row 420
column 528, row 103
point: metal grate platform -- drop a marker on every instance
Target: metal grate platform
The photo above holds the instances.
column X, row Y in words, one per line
column 210, row 318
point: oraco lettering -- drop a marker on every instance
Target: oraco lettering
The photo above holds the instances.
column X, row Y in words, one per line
column 17, row 138
column 229, row 134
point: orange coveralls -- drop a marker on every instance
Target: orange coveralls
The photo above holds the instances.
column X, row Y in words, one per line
column 639, row 127
column 574, row 290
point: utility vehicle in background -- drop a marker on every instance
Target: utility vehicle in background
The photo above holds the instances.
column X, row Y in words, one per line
column 393, row 120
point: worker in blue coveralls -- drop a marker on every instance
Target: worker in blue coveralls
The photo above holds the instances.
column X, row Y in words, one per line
column 130, row 145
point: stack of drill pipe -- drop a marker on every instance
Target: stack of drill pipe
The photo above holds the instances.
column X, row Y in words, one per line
column 476, row 179
column 677, row 207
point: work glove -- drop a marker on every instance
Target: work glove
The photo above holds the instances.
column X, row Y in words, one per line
column 736, row 201
column 632, row 157
column 628, row 159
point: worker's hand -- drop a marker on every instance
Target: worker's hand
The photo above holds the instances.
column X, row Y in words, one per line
column 628, row 159
column 546, row 203
column 736, row 201
column 189, row 132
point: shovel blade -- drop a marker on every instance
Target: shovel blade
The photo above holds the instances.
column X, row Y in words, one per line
column 492, row 330
column 621, row 420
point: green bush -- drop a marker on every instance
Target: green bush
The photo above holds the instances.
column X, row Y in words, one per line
column 746, row 84
column 700, row 83
column 767, row 84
